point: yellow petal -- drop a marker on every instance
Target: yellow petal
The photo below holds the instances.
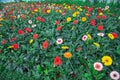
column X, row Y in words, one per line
column 101, row 14
column 33, row 12
column 60, row 11
column 68, row 19
column 74, row 15
column 36, row 10
column 65, row 47
column 96, row 44
column 48, row 11
column 57, row 11
column 77, row 12
column 89, row 36
column 110, row 36
column 31, row 41
column 10, row 46
column 80, row 8
column 1, row 19
column 68, row 7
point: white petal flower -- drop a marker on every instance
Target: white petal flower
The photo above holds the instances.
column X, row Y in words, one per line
column 106, row 7
column 101, row 34
column 115, row 75
column 119, row 17
column 30, row 21
column 84, row 38
column 18, row 16
column 34, row 25
column 59, row 41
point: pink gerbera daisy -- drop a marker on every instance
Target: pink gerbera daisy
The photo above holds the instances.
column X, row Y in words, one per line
column 98, row 66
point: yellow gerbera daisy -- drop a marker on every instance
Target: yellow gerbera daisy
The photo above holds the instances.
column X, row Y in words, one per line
column 77, row 12
column 68, row 19
column 84, row 19
column 74, row 14
column 89, row 36
column 107, row 60
column 65, row 47
column 60, row 11
column 31, row 41
column 80, row 8
column 36, row 10
column 1, row 19
column 110, row 36
column 96, row 44
column 48, row 11
column 100, row 13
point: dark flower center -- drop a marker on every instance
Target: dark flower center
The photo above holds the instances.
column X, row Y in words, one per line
column 114, row 75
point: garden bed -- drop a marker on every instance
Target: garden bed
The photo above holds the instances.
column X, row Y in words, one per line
column 51, row 41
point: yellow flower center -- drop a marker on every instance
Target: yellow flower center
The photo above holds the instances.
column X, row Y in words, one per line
column 68, row 19
column 84, row 19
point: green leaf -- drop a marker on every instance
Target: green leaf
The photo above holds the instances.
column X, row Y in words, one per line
column 100, row 76
column 118, row 50
column 46, row 71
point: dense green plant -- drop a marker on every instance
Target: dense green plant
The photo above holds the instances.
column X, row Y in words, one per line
column 28, row 41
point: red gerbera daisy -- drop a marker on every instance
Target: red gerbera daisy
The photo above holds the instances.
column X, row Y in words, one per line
column 3, row 41
column 35, row 36
column 115, row 35
column 59, row 28
column 75, row 22
column 100, row 27
column 98, row 16
column 15, row 46
column 38, row 18
column 57, row 22
column 20, row 32
column 93, row 22
column 89, row 9
column 42, row 20
column 28, row 30
column 57, row 61
column 104, row 17
column 45, row 44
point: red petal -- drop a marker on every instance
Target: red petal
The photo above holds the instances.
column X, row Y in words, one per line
column 45, row 45
column 57, row 61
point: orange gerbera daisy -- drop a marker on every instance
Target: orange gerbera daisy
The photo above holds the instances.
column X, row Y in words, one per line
column 67, row 54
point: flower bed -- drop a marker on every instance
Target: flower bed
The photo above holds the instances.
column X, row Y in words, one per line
column 60, row 41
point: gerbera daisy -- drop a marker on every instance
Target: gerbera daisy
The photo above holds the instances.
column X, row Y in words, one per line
column 107, row 60
column 98, row 66
column 57, row 61
column 67, row 54
column 84, row 38
column 59, row 41
column 115, row 75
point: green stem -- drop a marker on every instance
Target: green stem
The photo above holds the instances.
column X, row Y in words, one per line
column 71, row 65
